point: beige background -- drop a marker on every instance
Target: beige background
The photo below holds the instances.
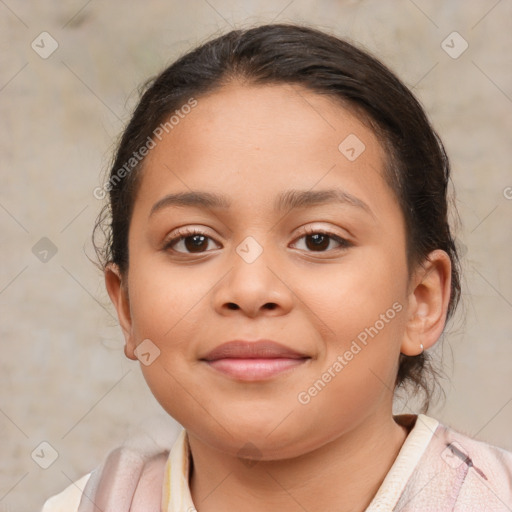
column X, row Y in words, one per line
column 65, row 379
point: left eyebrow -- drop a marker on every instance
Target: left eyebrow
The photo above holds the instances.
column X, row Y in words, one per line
column 293, row 199
column 288, row 200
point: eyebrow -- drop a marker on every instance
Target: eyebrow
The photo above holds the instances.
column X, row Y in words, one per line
column 288, row 200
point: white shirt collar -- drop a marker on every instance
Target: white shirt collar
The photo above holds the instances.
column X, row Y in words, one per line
column 176, row 495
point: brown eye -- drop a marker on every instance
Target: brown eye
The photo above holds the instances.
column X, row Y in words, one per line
column 193, row 241
column 319, row 241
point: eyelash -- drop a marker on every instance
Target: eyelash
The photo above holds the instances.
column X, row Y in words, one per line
column 185, row 233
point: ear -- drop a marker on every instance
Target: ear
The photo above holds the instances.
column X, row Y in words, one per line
column 118, row 294
column 428, row 303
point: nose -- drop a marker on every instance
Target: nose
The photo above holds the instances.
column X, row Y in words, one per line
column 255, row 283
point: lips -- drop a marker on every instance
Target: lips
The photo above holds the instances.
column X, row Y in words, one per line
column 253, row 361
column 261, row 349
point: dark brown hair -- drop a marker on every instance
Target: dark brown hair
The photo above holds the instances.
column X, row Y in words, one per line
column 417, row 169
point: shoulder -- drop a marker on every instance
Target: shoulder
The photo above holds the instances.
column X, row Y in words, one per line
column 130, row 471
column 469, row 471
column 69, row 499
column 461, row 447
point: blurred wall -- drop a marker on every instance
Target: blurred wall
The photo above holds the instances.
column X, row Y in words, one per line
column 69, row 75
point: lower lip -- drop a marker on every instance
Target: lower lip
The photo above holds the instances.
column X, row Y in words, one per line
column 255, row 369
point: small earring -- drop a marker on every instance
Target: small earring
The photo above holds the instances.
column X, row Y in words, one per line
column 421, row 346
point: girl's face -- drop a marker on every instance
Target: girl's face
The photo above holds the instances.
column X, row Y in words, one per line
column 261, row 269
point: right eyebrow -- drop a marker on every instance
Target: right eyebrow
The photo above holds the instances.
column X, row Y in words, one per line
column 194, row 198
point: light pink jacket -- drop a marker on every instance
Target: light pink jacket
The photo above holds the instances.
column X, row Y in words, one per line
column 437, row 470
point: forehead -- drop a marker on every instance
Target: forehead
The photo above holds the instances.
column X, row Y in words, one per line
column 255, row 141
column 274, row 116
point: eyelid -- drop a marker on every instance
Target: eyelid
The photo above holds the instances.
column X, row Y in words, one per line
column 334, row 231
column 309, row 229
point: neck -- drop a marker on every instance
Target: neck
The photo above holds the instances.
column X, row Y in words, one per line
column 343, row 474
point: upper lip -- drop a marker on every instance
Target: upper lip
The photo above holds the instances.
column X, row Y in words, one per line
column 242, row 349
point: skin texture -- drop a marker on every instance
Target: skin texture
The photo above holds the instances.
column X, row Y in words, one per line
column 252, row 143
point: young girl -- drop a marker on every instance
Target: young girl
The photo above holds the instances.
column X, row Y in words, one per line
column 280, row 260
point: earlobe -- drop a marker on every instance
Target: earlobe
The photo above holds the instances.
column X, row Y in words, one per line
column 428, row 304
column 412, row 344
column 118, row 294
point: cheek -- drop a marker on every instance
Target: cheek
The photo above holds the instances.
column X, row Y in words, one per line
column 168, row 308
column 165, row 300
column 173, row 386
column 360, row 312
column 350, row 296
